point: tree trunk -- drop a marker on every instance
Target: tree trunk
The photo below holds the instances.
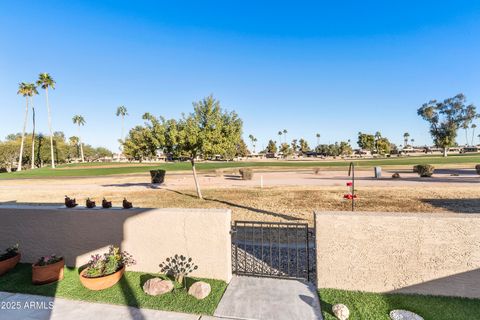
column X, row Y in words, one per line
column 445, row 151
column 50, row 127
column 197, row 185
column 81, row 145
column 32, row 160
column 123, row 135
column 20, row 158
column 473, row 137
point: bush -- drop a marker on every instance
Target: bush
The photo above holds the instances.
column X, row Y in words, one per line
column 396, row 175
column 477, row 168
column 158, row 176
column 425, row 170
column 415, row 168
column 246, row 173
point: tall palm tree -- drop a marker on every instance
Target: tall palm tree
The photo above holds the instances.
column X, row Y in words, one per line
column 285, row 135
column 465, row 127
column 280, row 136
column 122, row 112
column 24, row 90
column 45, row 81
column 32, row 88
column 474, row 126
column 253, row 140
column 406, row 135
column 80, row 121
column 318, row 138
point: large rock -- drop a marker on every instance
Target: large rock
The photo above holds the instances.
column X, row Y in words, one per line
column 157, row 286
column 200, row 290
column 404, row 315
column 341, row 311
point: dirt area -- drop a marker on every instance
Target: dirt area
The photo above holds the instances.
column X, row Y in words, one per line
column 285, row 196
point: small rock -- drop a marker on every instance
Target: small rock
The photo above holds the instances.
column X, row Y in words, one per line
column 341, row 311
column 157, row 286
column 404, row 315
column 200, row 290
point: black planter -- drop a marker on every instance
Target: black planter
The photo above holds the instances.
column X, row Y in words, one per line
column 158, row 176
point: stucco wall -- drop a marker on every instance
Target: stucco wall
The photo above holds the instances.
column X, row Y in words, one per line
column 150, row 235
column 435, row 254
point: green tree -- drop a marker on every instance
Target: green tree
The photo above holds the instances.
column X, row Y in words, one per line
column 285, row 135
column 318, row 138
column 122, row 112
column 80, row 121
column 406, row 135
column 24, row 89
column 445, row 118
column 207, row 132
column 345, row 149
column 272, row 146
column 139, row 144
column 366, row 141
column 383, row 146
column 253, row 140
column 8, row 154
column 242, row 149
column 286, row 150
column 304, row 146
column 45, row 81
column 294, row 145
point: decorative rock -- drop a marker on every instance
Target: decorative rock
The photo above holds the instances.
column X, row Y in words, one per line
column 200, row 290
column 341, row 311
column 157, row 286
column 404, row 315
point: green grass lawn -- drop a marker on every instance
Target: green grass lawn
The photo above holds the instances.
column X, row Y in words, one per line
column 373, row 306
column 127, row 292
column 102, row 169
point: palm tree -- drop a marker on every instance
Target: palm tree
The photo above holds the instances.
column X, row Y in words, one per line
column 122, row 112
column 412, row 141
column 80, row 121
column 33, row 90
column 465, row 127
column 285, row 135
column 474, row 126
column 24, row 90
column 253, row 140
column 406, row 135
column 280, row 136
column 318, row 139
column 45, row 81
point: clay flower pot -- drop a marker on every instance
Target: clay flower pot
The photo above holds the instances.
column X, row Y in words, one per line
column 101, row 283
column 9, row 264
column 48, row 273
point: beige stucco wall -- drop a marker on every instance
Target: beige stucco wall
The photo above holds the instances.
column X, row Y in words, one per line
column 435, row 254
column 150, row 235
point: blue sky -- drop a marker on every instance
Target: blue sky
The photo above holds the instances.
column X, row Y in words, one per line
column 322, row 66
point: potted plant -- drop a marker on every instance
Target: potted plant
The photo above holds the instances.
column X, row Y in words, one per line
column 48, row 269
column 9, row 259
column 103, row 271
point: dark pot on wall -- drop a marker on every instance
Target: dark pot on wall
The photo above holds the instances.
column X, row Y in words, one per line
column 8, row 264
column 158, row 176
column 48, row 273
column 101, row 283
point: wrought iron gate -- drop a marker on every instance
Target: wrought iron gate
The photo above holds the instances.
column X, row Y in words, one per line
column 272, row 249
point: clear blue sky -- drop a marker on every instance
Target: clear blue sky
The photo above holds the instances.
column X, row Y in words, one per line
column 333, row 67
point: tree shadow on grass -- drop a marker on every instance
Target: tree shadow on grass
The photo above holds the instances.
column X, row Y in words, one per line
column 456, row 205
column 240, row 206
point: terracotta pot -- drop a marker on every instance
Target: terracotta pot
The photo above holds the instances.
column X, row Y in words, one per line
column 48, row 273
column 101, row 283
column 9, row 264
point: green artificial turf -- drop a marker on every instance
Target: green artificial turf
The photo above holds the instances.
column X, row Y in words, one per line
column 127, row 292
column 373, row 306
column 86, row 170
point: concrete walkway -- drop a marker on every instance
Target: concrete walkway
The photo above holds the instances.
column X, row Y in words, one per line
column 16, row 306
column 269, row 299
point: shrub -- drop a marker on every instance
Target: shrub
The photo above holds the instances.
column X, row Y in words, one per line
column 246, row 173
column 44, row 261
column 477, row 168
column 157, row 176
column 9, row 253
column 425, row 170
column 396, row 175
column 415, row 168
column 110, row 262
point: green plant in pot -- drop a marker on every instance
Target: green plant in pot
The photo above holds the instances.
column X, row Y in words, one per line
column 104, row 271
column 178, row 267
column 48, row 269
column 9, row 259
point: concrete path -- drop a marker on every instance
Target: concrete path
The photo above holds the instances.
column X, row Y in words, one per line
column 269, row 299
column 15, row 306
